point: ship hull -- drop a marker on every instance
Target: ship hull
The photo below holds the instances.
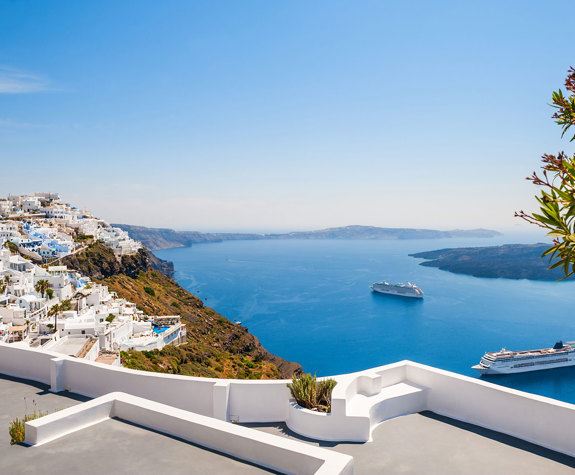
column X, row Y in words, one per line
column 398, row 295
column 395, row 294
column 511, row 370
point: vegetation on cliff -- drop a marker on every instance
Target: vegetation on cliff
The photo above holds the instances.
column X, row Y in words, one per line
column 99, row 262
column 215, row 346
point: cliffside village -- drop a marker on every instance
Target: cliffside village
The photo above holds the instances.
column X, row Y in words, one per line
column 45, row 305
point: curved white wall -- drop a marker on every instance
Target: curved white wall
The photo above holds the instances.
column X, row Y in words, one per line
column 331, row 427
column 549, row 423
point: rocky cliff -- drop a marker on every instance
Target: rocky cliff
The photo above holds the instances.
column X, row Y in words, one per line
column 100, row 262
column 216, row 347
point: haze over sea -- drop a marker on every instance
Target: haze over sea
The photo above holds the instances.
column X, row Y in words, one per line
column 309, row 301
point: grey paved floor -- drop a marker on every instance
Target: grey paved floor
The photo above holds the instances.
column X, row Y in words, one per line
column 111, row 447
column 429, row 444
column 415, row 444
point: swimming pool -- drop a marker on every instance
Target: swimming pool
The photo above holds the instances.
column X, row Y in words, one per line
column 158, row 330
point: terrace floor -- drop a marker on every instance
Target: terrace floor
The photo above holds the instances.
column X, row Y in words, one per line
column 113, row 446
column 414, row 444
column 432, row 444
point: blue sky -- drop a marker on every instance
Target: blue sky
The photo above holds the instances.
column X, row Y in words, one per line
column 264, row 115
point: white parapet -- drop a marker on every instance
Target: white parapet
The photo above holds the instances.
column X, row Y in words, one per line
column 360, row 400
column 261, row 448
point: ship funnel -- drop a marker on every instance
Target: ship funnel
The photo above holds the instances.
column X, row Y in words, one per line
column 558, row 345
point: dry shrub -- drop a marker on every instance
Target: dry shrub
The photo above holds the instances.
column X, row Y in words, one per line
column 16, row 428
column 311, row 393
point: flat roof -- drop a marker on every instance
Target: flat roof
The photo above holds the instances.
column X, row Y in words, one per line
column 69, row 346
column 113, row 446
column 413, row 444
column 432, row 444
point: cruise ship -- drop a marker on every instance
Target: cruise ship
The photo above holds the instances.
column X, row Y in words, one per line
column 403, row 290
column 507, row 362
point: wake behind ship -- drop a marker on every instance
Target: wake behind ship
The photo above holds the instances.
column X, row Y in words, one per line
column 507, row 362
column 402, row 290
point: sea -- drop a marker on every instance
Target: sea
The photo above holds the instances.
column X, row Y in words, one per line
column 309, row 301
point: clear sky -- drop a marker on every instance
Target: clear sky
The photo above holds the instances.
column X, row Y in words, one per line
column 282, row 115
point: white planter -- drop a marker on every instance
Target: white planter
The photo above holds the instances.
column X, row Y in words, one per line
column 327, row 425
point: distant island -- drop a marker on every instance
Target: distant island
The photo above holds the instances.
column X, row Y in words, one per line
column 511, row 261
column 162, row 238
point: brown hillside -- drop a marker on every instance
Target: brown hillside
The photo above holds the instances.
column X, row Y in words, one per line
column 216, row 347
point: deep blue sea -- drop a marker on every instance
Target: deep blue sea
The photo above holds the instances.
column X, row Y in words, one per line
column 309, row 301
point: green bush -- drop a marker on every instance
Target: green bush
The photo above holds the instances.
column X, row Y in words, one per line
column 311, row 393
column 110, row 318
column 324, row 389
column 16, row 429
column 150, row 291
column 248, row 364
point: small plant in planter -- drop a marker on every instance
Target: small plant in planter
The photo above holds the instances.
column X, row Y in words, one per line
column 311, row 393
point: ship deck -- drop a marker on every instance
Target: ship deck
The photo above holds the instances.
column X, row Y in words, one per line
column 531, row 353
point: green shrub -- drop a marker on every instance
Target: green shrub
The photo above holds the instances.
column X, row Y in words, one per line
column 248, row 364
column 176, row 305
column 150, row 291
column 311, row 393
column 110, row 318
column 324, row 389
column 16, row 429
column 84, row 237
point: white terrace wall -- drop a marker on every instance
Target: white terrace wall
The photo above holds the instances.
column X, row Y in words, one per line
column 267, row 450
column 537, row 419
column 540, row 420
column 258, row 401
column 26, row 363
column 247, row 401
column 96, row 379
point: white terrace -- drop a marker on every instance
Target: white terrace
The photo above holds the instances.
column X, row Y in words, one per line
column 419, row 406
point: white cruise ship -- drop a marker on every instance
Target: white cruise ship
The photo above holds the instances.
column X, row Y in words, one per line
column 507, row 362
column 403, row 290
